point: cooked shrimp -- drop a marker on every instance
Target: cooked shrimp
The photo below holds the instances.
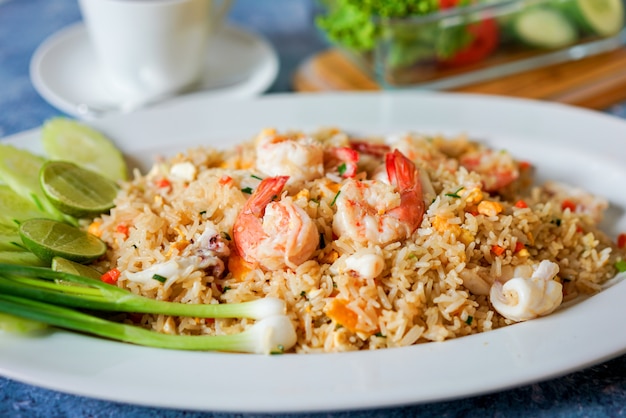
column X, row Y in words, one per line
column 380, row 213
column 297, row 156
column 497, row 169
column 274, row 234
column 577, row 199
column 342, row 160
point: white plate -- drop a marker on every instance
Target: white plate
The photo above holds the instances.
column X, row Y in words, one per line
column 564, row 142
column 65, row 72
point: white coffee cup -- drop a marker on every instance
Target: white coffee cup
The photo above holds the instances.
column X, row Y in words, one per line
column 152, row 48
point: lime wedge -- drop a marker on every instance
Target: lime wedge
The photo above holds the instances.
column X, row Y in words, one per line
column 47, row 238
column 66, row 266
column 75, row 190
column 66, row 139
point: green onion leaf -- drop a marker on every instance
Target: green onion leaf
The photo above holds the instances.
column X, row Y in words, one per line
column 335, row 198
column 456, row 193
column 342, row 168
column 247, row 190
column 159, row 278
column 621, row 266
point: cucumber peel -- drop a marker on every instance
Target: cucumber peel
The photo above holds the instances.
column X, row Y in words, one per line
column 69, row 140
column 19, row 169
column 545, row 27
column 601, row 17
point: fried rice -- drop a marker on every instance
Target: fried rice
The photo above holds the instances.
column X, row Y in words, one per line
column 483, row 218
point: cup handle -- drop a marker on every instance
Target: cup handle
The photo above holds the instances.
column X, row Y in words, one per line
column 217, row 14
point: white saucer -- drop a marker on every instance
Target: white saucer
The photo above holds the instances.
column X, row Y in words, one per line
column 64, row 69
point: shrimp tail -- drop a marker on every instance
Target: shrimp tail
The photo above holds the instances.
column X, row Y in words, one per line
column 248, row 229
column 370, row 148
column 268, row 189
column 349, row 158
column 403, row 174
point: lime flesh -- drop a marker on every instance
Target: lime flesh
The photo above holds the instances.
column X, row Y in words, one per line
column 47, row 238
column 76, row 191
column 71, row 267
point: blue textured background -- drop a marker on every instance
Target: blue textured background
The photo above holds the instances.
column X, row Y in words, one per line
column 599, row 391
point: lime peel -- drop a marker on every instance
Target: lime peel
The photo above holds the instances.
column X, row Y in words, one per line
column 47, row 238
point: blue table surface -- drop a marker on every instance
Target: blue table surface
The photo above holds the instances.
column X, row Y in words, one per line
column 597, row 391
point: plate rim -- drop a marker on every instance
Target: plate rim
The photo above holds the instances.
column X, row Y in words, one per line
column 351, row 362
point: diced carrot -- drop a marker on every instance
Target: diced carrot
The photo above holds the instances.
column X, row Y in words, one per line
column 568, row 204
column 521, row 204
column 519, row 246
column 122, row 229
column 224, row 180
column 163, row 183
column 523, row 165
column 497, row 250
column 111, row 276
column 621, row 240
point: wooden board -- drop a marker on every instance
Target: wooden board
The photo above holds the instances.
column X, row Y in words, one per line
column 594, row 82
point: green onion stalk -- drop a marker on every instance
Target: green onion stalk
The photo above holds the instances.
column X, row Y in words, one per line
column 47, row 296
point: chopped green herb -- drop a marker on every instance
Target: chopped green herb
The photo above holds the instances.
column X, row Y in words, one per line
column 202, row 212
column 334, row 285
column 255, row 177
column 225, row 236
column 303, row 295
column 621, row 266
column 247, row 190
column 380, row 335
column 556, row 222
column 338, row 326
column 411, row 256
column 335, row 198
column 469, row 320
column 225, row 289
column 315, row 201
column 456, row 193
column 159, row 278
column 342, row 168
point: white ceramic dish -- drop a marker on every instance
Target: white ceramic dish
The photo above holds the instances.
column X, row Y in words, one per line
column 64, row 70
column 565, row 143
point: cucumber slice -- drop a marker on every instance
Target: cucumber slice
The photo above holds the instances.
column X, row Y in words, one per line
column 544, row 27
column 10, row 238
column 602, row 17
column 14, row 207
column 68, row 140
column 19, row 169
column 23, row 258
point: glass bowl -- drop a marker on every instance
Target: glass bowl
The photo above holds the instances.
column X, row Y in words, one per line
column 464, row 45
